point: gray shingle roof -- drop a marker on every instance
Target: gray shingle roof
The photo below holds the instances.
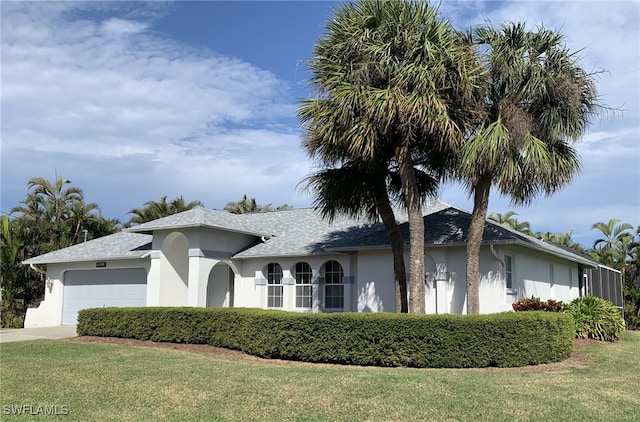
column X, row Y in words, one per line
column 300, row 232
column 116, row 246
column 200, row 217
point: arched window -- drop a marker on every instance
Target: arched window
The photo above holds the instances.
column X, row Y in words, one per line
column 303, row 274
column 333, row 285
column 274, row 285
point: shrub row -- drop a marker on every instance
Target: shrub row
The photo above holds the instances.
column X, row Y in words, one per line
column 382, row 339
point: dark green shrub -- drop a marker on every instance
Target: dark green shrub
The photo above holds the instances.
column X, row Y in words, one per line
column 535, row 304
column 596, row 318
column 382, row 339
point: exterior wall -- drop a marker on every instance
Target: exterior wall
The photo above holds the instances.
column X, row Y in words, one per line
column 49, row 313
column 374, row 286
column 250, row 289
column 541, row 275
column 181, row 270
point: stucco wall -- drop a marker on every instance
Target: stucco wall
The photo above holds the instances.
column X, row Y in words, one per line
column 540, row 275
column 250, row 289
column 49, row 313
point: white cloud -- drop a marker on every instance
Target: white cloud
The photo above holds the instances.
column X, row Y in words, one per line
column 94, row 99
column 90, row 92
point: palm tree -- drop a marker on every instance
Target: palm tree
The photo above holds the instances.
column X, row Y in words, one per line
column 244, row 206
column 54, row 198
column 180, row 205
column 538, row 102
column 247, row 206
column 396, row 74
column 152, row 210
column 617, row 241
column 510, row 221
column 362, row 189
column 81, row 215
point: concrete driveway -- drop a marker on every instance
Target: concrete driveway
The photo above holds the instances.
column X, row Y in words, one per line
column 20, row 334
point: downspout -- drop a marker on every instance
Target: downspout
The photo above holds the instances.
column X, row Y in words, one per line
column 36, row 269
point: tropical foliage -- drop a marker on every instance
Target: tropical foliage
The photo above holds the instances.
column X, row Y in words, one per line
column 618, row 247
column 247, row 206
column 53, row 215
column 538, row 102
column 596, row 318
column 152, row 210
column 393, row 81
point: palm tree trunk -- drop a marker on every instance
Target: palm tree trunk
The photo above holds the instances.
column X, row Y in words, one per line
column 397, row 248
column 416, row 228
column 474, row 240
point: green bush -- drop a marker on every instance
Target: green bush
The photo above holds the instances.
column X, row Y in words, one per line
column 382, row 339
column 596, row 318
column 535, row 304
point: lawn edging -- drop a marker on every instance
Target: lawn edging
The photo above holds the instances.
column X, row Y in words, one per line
column 373, row 339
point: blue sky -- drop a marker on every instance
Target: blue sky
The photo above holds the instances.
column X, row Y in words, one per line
column 133, row 100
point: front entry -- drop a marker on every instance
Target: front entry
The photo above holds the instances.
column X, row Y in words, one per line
column 220, row 287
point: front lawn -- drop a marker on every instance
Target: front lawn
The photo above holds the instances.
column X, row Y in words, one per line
column 122, row 382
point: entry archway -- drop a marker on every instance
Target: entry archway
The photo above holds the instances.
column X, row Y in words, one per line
column 220, row 286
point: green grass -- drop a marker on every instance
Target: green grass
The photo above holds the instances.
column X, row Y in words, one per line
column 127, row 383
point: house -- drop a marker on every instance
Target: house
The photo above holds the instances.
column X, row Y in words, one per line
column 294, row 260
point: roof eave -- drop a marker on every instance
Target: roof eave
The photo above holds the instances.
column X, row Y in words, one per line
column 196, row 226
column 35, row 261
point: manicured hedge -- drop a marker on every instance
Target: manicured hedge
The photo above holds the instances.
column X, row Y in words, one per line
column 380, row 339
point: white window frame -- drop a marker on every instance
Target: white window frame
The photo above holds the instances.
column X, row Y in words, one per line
column 304, row 289
column 275, row 290
column 333, row 282
column 508, row 272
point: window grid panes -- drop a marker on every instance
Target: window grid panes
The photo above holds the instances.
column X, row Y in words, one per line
column 303, row 275
column 274, row 286
column 508, row 271
column 334, row 287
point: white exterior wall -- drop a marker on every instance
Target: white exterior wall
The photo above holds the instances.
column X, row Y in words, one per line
column 541, row 275
column 249, row 293
column 49, row 313
column 374, row 286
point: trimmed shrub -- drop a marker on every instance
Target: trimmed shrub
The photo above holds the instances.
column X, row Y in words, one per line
column 596, row 318
column 378, row 339
column 535, row 304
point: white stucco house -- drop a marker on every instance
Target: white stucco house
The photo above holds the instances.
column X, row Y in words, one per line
column 294, row 260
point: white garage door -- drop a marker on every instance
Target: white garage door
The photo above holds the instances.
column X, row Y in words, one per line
column 101, row 288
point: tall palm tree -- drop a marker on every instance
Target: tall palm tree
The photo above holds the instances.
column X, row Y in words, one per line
column 538, row 102
column 398, row 75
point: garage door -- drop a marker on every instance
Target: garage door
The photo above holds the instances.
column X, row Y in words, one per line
column 100, row 288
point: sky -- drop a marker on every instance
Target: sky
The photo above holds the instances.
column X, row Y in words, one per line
column 131, row 101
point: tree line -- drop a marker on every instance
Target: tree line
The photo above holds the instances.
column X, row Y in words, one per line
column 54, row 215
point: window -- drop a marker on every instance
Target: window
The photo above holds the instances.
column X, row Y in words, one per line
column 508, row 271
column 333, row 285
column 303, row 276
column 274, row 286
